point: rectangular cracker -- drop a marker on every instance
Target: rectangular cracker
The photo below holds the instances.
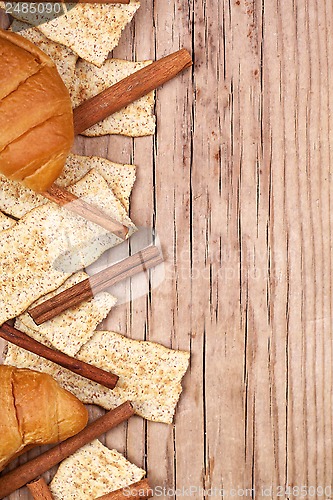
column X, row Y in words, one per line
column 150, row 374
column 135, row 120
column 120, row 177
column 91, row 30
column 69, row 331
column 17, row 200
column 93, row 471
column 49, row 244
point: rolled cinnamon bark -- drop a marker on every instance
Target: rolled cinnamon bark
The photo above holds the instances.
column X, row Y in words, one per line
column 76, row 205
column 86, row 289
column 40, row 490
column 130, row 89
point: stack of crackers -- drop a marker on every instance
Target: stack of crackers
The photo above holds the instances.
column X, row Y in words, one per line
column 45, row 249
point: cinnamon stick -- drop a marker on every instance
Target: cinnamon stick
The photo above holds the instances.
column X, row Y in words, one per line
column 137, row 491
column 40, row 490
column 90, row 212
column 28, row 472
column 129, row 89
column 141, row 261
column 90, row 372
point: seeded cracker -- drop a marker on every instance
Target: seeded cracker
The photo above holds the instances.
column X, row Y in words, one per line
column 17, row 200
column 63, row 57
column 119, row 177
column 135, row 120
column 49, row 244
column 69, row 331
column 91, row 30
column 6, row 222
column 150, row 374
column 93, row 471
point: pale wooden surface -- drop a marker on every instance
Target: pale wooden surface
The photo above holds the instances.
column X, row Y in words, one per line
column 237, row 183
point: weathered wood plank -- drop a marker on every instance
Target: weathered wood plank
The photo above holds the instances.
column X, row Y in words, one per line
column 219, row 249
column 179, row 451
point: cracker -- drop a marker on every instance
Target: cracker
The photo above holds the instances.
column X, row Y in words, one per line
column 93, row 471
column 49, row 244
column 6, row 222
column 91, row 30
column 150, row 374
column 135, row 120
column 18, row 200
column 63, row 57
column 119, row 177
column 69, row 331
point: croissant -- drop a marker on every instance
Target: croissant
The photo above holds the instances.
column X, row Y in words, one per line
column 36, row 119
column 35, row 411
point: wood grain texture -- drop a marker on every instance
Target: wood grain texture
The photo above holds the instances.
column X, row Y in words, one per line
column 237, row 184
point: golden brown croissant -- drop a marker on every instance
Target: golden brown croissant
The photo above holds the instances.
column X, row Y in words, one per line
column 36, row 119
column 35, row 410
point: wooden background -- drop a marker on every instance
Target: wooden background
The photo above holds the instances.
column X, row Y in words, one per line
column 237, row 183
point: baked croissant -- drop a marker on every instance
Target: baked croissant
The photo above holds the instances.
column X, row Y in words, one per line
column 36, row 119
column 35, row 411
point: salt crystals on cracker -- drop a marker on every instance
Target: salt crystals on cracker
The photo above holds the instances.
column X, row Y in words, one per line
column 136, row 119
column 70, row 330
column 93, row 471
column 17, row 200
column 49, row 244
column 150, row 374
column 91, row 30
